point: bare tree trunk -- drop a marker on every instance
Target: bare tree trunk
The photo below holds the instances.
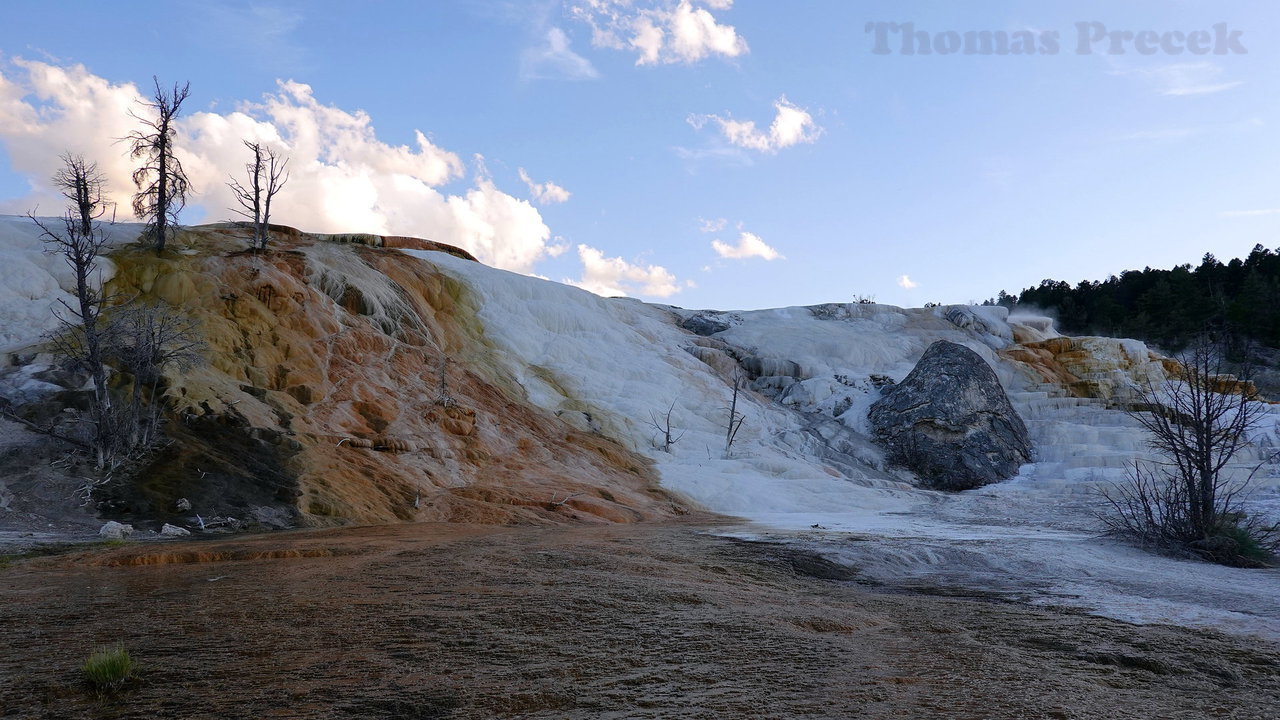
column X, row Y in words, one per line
column 735, row 418
column 162, row 183
column 267, row 176
column 79, row 242
column 162, row 188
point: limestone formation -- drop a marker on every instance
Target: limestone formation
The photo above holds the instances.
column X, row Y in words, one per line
column 319, row 401
column 1109, row 369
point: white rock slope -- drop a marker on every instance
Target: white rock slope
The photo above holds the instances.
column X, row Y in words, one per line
column 802, row 469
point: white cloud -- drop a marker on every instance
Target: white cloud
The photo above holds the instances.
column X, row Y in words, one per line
column 557, row 247
column 555, row 60
column 710, row 226
column 1249, row 213
column 615, row 276
column 791, row 125
column 545, row 193
column 343, row 178
column 907, row 283
column 1198, row 78
column 749, row 245
column 664, row 32
column 54, row 110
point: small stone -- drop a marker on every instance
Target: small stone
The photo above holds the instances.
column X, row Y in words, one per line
column 115, row 531
column 173, row 531
column 183, row 504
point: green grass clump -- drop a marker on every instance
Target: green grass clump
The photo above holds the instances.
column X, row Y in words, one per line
column 108, row 668
column 1250, row 550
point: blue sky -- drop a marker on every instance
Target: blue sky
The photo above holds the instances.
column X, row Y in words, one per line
column 965, row 173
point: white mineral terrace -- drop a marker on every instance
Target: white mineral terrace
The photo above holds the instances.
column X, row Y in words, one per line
column 1034, row 536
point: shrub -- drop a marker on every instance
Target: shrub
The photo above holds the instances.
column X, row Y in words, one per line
column 1187, row 503
column 108, row 668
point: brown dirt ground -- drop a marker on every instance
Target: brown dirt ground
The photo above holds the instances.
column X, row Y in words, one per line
column 624, row 621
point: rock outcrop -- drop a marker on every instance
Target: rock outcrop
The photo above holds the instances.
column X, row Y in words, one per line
column 345, row 381
column 1101, row 368
column 950, row 422
column 704, row 324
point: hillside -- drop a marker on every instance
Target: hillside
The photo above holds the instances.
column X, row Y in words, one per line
column 361, row 379
column 319, row 401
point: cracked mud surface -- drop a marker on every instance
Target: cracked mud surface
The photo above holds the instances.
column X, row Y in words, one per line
column 638, row 621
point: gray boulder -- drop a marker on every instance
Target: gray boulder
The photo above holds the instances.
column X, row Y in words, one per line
column 173, row 531
column 702, row 324
column 950, row 422
column 115, row 531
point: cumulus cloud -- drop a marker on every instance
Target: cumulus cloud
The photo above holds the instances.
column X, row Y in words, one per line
column 614, row 276
column 553, row 59
column 545, row 193
column 343, row 178
column 791, row 125
column 749, row 245
column 907, row 283
column 664, row 31
column 52, row 110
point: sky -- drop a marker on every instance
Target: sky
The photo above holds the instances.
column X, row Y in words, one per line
column 702, row 153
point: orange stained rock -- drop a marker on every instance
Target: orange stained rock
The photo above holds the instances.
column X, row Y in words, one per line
column 344, row 385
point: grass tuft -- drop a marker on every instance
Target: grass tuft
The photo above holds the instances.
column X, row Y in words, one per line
column 109, row 668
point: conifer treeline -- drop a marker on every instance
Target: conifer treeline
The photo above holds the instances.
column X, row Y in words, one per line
column 1169, row 307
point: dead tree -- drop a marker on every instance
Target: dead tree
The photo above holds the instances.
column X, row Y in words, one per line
column 663, row 427
column 82, row 184
column 151, row 339
column 162, row 183
column 1187, row 502
column 267, row 175
column 443, row 398
column 79, row 241
column 735, row 418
